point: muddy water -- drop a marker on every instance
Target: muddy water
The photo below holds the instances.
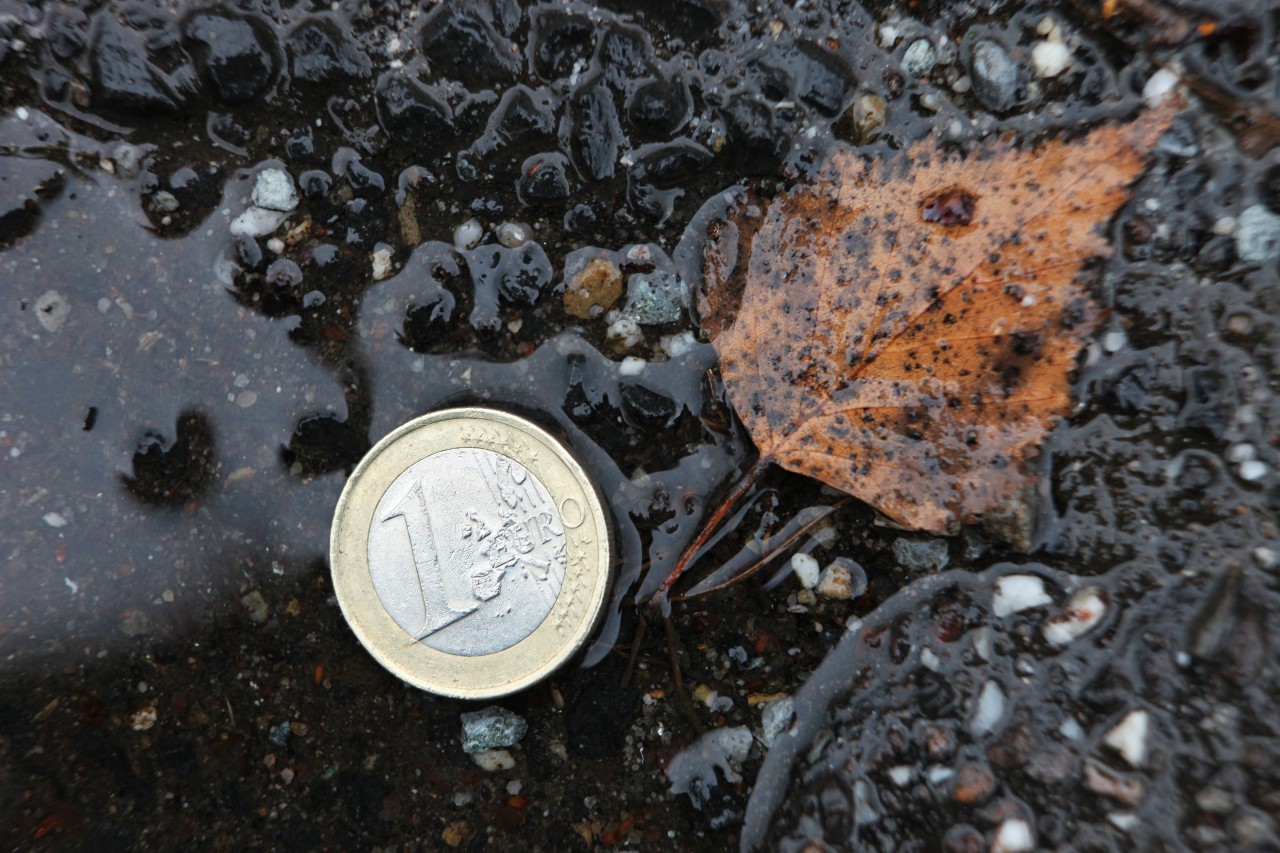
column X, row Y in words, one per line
column 189, row 375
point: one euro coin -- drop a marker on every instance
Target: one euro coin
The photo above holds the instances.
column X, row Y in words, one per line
column 471, row 553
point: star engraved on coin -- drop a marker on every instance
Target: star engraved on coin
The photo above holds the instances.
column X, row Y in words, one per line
column 471, row 553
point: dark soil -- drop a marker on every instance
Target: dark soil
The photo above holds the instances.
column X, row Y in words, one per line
column 182, row 405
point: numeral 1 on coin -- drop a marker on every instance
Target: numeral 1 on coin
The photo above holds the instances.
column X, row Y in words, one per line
column 437, row 610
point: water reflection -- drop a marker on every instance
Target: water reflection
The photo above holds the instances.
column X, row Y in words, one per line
column 224, row 422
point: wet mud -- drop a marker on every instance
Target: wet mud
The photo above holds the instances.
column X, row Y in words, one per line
column 194, row 353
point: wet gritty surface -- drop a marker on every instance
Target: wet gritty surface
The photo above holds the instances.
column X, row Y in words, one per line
column 189, row 372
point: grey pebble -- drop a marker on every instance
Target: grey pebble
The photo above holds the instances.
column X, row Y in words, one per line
column 52, row 310
column 163, row 201
column 921, row 555
column 655, row 298
column 128, row 160
column 491, row 728
column 995, row 75
column 279, row 735
column 1258, row 235
column 256, row 606
column 274, row 190
column 775, row 719
column 919, row 58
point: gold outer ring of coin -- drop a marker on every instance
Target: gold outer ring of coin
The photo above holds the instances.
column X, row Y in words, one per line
column 581, row 598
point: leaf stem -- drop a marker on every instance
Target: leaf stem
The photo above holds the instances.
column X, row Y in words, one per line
column 709, row 527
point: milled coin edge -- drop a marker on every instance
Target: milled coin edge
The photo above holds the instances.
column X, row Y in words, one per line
column 348, row 545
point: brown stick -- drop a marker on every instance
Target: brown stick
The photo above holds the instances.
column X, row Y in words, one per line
column 641, row 627
column 677, row 680
column 709, row 528
column 767, row 556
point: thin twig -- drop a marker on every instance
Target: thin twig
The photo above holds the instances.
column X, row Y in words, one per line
column 768, row 555
column 642, row 625
column 682, row 698
column 709, row 528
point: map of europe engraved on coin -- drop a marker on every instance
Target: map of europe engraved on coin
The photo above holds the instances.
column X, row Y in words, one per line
column 467, row 551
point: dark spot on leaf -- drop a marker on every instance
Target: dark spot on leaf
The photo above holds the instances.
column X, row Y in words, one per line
column 950, row 207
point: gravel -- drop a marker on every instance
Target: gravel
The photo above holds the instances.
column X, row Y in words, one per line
column 654, row 299
column 995, row 75
column 1258, row 235
column 919, row 58
column 491, row 728
column 274, row 190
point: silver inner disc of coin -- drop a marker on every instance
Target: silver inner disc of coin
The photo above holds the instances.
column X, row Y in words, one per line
column 467, row 551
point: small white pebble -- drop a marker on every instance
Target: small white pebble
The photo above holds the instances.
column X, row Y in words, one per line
column 143, row 719
column 775, row 719
column 1070, row 729
column 901, row 775
column 836, row 581
column 706, row 694
column 1129, row 738
column 54, row 519
column 929, row 660
column 256, row 221
column 275, row 245
column 1241, row 452
column 677, row 345
column 1224, row 226
column 806, row 569
column 381, row 261
column 493, row 759
column 21, row 113
column 625, row 332
column 468, row 234
column 274, row 190
column 632, row 366
column 1123, row 821
column 1013, row 836
column 982, row 642
column 864, row 810
column 1265, row 557
column 1050, row 58
column 1015, row 593
column 1253, row 470
column 930, row 101
column 515, row 786
column 1160, row 85
column 937, row 774
column 513, row 235
column 990, row 708
column 1114, row 341
column 1084, row 610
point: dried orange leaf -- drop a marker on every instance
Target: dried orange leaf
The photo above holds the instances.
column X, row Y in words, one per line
column 904, row 331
